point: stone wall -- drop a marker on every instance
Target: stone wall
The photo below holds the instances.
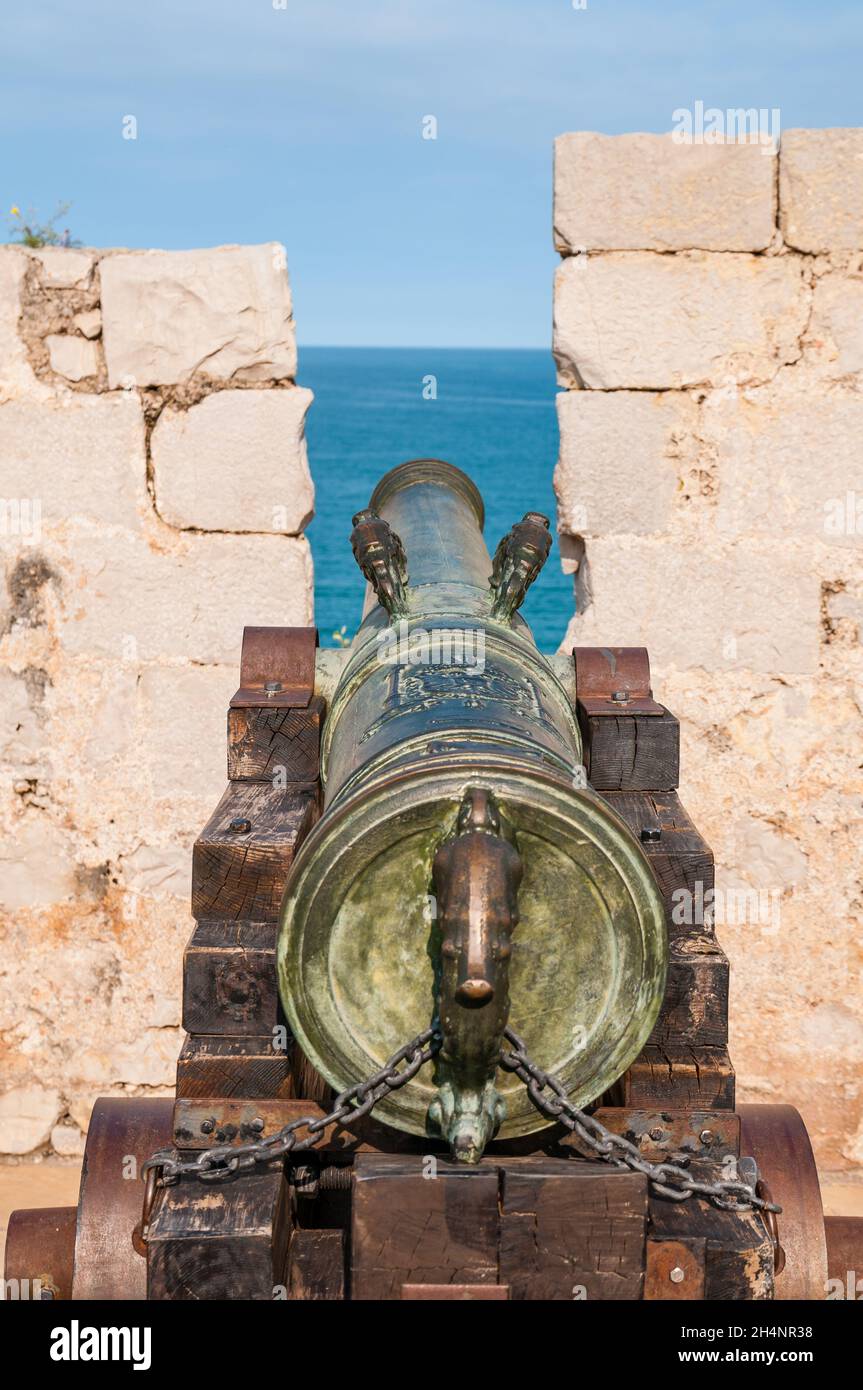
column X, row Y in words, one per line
column 709, row 334
column 154, row 492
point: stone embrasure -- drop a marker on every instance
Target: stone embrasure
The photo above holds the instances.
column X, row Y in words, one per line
column 120, row 632
column 710, row 501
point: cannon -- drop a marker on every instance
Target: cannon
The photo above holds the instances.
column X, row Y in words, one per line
column 448, row 1036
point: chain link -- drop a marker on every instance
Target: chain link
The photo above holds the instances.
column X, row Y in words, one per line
column 669, row 1179
column 217, row 1164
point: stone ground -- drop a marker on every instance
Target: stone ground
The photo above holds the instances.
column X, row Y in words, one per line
column 54, row 1183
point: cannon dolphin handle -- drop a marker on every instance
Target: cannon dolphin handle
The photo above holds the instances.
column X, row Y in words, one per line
column 476, row 876
column 455, row 806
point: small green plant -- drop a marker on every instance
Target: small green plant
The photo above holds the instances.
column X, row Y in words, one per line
column 341, row 637
column 30, row 232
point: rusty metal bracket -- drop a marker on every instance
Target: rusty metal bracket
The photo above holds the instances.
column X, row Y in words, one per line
column 674, row 1269
column 277, row 668
column 614, row 680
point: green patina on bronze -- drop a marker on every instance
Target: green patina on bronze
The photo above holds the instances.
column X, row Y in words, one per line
column 438, row 702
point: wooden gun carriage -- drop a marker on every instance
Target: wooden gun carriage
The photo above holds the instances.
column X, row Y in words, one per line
column 475, row 1194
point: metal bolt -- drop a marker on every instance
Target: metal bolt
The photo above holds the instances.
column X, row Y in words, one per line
column 620, row 697
column 677, row 1275
column 707, row 1136
column 240, row 825
column 208, row 1126
column 257, row 1125
column 656, row 1134
column 272, row 687
column 650, row 834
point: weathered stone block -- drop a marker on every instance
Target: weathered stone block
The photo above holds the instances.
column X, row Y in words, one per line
column 752, row 607
column 79, row 455
column 620, row 456
column 15, row 370
column 185, row 722
column 89, row 322
column 235, row 462
column 189, row 599
column 73, row 357
column 225, row 312
column 649, row 193
column 64, row 267
column 27, row 1116
column 836, row 333
column 821, row 189
column 787, row 463
column 638, row 320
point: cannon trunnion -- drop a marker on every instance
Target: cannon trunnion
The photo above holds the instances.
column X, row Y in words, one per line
column 444, row 835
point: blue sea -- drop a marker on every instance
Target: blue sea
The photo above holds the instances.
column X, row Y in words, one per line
column 493, row 416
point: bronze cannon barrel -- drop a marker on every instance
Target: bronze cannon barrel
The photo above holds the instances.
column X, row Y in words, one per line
column 462, row 873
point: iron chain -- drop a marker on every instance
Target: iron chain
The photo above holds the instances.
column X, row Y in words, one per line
column 217, row 1164
column 669, row 1179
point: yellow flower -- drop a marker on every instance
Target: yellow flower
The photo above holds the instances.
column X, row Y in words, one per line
column 15, row 212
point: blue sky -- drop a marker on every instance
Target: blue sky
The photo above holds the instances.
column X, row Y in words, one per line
column 303, row 124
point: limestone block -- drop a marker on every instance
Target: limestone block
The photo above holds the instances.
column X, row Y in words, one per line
column 752, row 607
column 16, row 373
column 27, row 1116
column 185, row 721
column 154, row 870
column 67, row 1140
column 637, row 320
column 224, row 312
column 648, row 193
column 821, row 189
column 73, row 357
column 235, row 462
column 37, row 865
column 125, row 599
column 64, row 267
column 80, row 455
column 620, row 456
column 789, row 463
column 89, row 323
column 836, row 331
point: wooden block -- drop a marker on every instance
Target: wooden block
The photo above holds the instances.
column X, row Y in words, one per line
column 220, row 1240
column 229, row 979
column 679, row 1076
column 235, row 1067
column 571, row 1231
column 316, row 1265
column 681, row 859
column 275, row 745
column 240, row 873
column 737, row 1250
column 675, row 1270
column 631, row 752
column 695, row 1007
column 408, row 1228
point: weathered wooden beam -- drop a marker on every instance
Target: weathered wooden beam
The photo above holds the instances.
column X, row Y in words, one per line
column 220, row 1241
column 241, row 859
column 630, row 752
column 281, row 746
column 234, row 1067
column 571, row 1231
column 678, row 1076
column 678, row 854
column 316, row 1265
column 229, row 979
column 408, row 1228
